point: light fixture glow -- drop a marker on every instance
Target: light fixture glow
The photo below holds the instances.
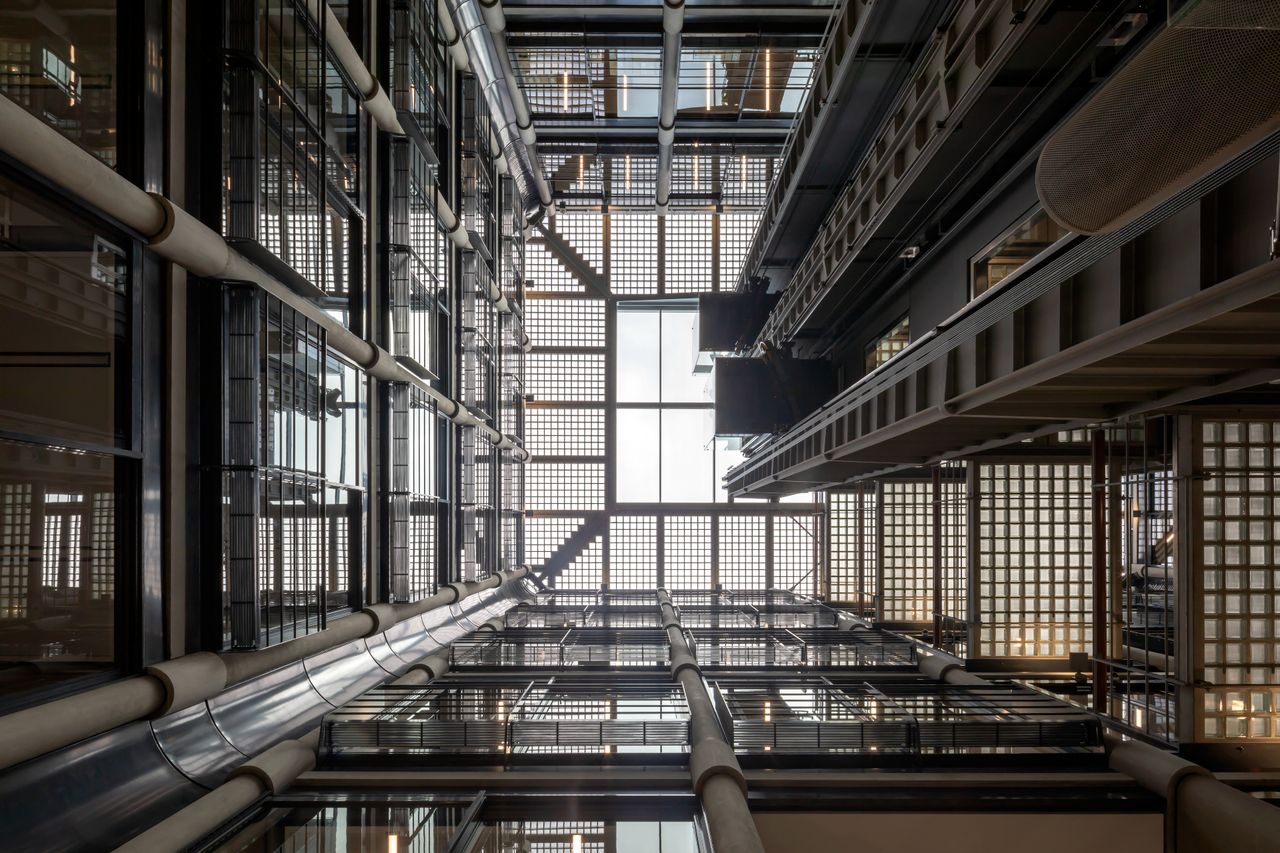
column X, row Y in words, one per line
column 393, row 843
column 564, row 91
column 742, row 174
column 707, row 72
column 582, row 167
column 576, row 843
column 695, row 168
column 768, row 80
column 627, row 170
column 768, row 711
column 626, row 93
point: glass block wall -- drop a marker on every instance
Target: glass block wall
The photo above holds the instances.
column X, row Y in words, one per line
column 1236, row 567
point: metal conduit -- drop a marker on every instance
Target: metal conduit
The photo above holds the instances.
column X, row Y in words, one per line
column 270, row 772
column 183, row 682
column 450, row 33
column 496, row 21
column 179, row 237
column 672, row 27
column 493, row 77
column 713, row 767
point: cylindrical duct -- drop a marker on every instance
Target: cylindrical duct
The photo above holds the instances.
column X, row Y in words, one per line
column 488, row 68
column 1201, row 93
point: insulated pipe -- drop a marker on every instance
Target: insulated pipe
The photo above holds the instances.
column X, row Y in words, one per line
column 672, row 27
column 383, row 112
column 492, row 75
column 43, row 728
column 183, row 682
column 450, row 33
column 713, row 767
column 458, row 234
column 375, row 99
column 270, row 772
column 1202, row 814
column 177, row 236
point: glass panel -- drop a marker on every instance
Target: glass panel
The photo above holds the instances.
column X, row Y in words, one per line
column 58, row 61
column 586, row 836
column 637, row 451
column 345, row 415
column 1017, row 248
column 894, row 342
column 58, row 552
column 687, row 456
column 64, row 300
column 375, row 829
column 638, row 357
column 683, row 379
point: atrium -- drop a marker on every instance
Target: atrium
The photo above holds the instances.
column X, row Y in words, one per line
column 610, row 426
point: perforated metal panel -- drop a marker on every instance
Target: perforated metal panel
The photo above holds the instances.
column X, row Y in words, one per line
column 1201, row 92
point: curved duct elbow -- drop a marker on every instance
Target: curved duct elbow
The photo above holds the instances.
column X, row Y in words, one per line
column 1199, row 94
column 488, row 68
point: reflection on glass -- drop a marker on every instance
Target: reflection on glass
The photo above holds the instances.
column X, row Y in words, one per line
column 743, row 81
column 64, row 297
column 59, row 63
column 684, row 375
column 57, row 564
column 350, row 829
column 590, row 836
column 1015, row 249
column 890, row 344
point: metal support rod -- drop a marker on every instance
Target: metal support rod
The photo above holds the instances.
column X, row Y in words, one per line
column 1098, row 456
column 672, row 27
column 713, row 767
column 937, row 556
column 182, row 239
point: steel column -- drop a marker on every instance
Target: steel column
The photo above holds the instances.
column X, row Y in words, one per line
column 1098, row 450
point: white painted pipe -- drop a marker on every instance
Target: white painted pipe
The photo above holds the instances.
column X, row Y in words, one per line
column 672, row 27
column 459, row 53
column 186, row 241
column 375, row 99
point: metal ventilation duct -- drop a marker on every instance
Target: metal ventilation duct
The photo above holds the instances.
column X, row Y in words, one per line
column 488, row 68
column 1202, row 92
